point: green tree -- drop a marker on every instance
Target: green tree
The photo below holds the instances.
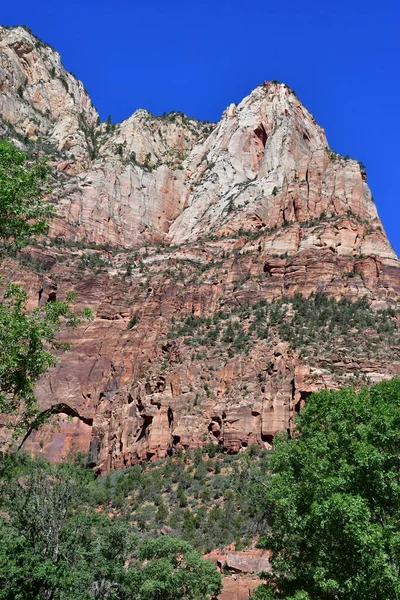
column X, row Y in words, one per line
column 172, row 569
column 109, row 124
column 25, row 338
column 23, row 214
column 53, row 547
column 334, row 495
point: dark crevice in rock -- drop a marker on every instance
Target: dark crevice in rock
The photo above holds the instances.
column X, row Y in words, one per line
column 267, row 269
column 147, row 421
column 215, row 427
column 267, row 438
column 300, row 403
column 160, row 385
column 94, row 452
column 308, row 186
column 292, row 389
column 64, row 408
column 261, row 134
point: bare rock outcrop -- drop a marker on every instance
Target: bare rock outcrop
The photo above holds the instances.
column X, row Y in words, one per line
column 39, row 99
column 241, row 570
column 241, row 588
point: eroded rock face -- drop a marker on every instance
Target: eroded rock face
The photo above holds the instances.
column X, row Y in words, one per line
column 147, row 140
column 244, row 568
column 39, row 98
column 250, row 562
column 267, row 163
column 148, row 394
column 194, row 220
column 238, row 588
column 62, row 439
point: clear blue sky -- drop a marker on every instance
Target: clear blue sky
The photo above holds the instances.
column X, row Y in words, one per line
column 342, row 58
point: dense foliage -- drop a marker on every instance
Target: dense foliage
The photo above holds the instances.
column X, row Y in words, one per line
column 23, row 214
column 55, row 546
column 334, row 494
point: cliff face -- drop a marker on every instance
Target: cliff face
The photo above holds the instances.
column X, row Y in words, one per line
column 39, row 98
column 189, row 241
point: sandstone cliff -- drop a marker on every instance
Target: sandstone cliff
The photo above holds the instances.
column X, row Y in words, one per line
column 189, row 241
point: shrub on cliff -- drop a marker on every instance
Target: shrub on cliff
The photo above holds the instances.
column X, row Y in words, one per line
column 335, row 498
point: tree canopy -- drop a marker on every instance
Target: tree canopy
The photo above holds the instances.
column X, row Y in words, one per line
column 54, row 546
column 334, row 496
column 23, row 184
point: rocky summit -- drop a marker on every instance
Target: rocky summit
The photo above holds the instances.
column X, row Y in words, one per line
column 232, row 268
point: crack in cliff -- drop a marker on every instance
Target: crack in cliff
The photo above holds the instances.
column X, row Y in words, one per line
column 145, row 430
column 261, row 134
